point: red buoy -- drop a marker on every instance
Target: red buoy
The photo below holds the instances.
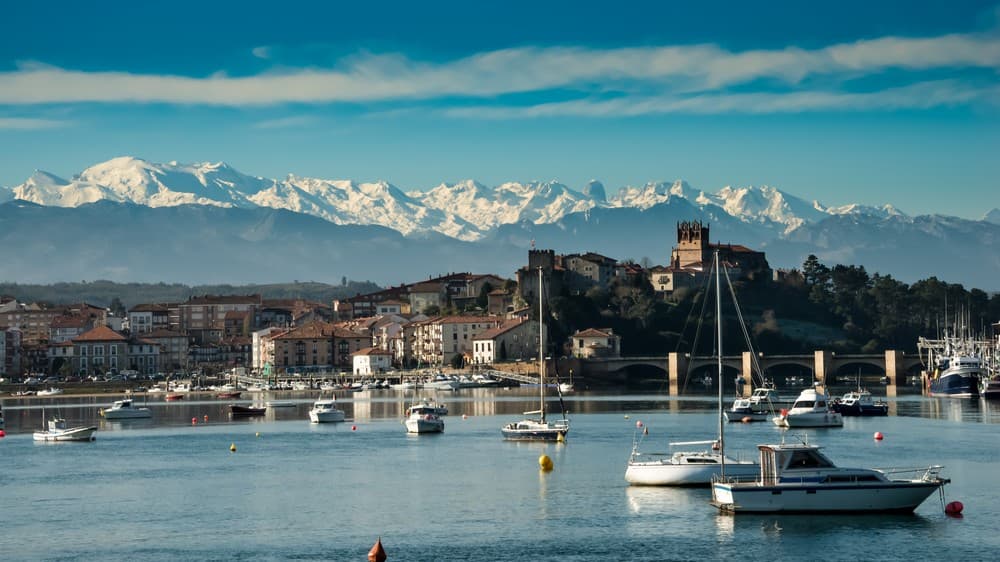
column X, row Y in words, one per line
column 638, row 424
column 354, row 428
column 954, row 509
column 878, row 436
column 194, row 421
column 784, row 412
column 3, row 433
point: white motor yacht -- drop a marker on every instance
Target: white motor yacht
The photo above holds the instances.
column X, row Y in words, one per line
column 811, row 409
column 326, row 411
column 422, row 418
column 125, row 409
column 799, row 478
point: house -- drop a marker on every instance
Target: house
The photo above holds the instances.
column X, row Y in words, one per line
column 371, row 361
column 143, row 356
column 596, row 343
column 173, row 347
column 438, row 341
column 585, row 271
column 99, row 351
column 145, row 318
column 513, row 340
column 65, row 328
column 203, row 318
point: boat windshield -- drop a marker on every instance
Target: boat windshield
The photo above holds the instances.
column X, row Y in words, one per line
column 804, row 404
column 807, row 460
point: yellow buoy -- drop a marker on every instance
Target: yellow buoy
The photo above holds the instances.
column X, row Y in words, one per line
column 626, row 416
column 100, row 412
column 258, row 434
column 560, row 438
column 232, row 448
column 545, row 463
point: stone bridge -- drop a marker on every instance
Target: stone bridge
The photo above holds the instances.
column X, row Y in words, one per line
column 680, row 372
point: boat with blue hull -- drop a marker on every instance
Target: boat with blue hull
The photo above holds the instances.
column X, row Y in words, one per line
column 957, row 376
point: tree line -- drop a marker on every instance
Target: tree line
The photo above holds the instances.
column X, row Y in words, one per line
column 841, row 308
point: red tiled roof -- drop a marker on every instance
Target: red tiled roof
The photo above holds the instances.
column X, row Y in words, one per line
column 100, row 333
column 591, row 333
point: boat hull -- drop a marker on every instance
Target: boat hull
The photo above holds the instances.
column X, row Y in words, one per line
column 735, row 416
column 512, row 433
column 666, row 473
column 956, row 383
column 328, row 416
column 246, row 411
column 138, row 413
column 894, row 496
column 828, row 419
column 72, row 434
column 424, row 425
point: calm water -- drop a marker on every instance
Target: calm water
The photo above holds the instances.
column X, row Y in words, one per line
column 166, row 490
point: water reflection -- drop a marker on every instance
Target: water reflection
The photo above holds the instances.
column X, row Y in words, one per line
column 752, row 526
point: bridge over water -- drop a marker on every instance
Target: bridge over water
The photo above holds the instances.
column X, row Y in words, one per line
column 680, row 372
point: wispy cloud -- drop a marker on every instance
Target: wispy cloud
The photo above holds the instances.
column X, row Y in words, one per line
column 916, row 96
column 30, row 124
column 286, row 122
column 692, row 78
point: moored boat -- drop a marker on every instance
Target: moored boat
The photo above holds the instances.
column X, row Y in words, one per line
column 57, row 431
column 759, row 406
column 538, row 429
column 49, row 392
column 238, row 410
column 326, row 411
column 989, row 387
column 423, row 419
column 798, row 478
column 811, row 409
column 859, row 403
column 125, row 409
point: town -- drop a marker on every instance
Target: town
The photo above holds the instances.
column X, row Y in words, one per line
column 457, row 320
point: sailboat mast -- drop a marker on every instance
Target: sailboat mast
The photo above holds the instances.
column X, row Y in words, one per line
column 718, row 328
column 541, row 348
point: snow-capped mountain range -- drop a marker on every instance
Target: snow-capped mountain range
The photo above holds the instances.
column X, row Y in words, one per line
column 466, row 210
column 128, row 219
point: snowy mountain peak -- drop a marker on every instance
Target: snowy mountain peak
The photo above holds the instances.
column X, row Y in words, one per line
column 467, row 209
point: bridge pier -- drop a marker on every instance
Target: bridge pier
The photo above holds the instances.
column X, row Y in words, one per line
column 746, row 371
column 677, row 365
column 893, row 370
column 821, row 361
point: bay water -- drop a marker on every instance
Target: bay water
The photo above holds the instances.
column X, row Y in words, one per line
column 170, row 489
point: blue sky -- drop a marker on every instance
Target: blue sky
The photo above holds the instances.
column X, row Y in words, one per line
column 848, row 102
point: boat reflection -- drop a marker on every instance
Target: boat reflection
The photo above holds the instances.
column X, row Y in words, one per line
column 750, row 526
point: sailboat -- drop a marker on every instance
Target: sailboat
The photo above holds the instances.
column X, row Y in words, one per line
column 691, row 468
column 540, row 429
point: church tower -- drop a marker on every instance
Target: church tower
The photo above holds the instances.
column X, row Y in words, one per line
column 692, row 245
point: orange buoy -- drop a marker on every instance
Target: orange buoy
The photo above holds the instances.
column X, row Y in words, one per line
column 784, row 412
column 377, row 553
column 747, row 419
column 206, row 418
column 878, row 436
column 954, row 508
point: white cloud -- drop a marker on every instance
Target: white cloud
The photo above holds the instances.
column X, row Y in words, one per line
column 656, row 72
column 915, row 96
column 30, row 124
column 285, row 122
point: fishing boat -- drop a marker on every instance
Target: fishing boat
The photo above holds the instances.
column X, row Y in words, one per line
column 57, row 431
column 238, row 410
column 798, row 478
column 423, row 419
column 957, row 375
column 124, row 410
column 859, row 403
column 690, row 468
column 326, row 411
column 811, row 409
column 538, row 429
